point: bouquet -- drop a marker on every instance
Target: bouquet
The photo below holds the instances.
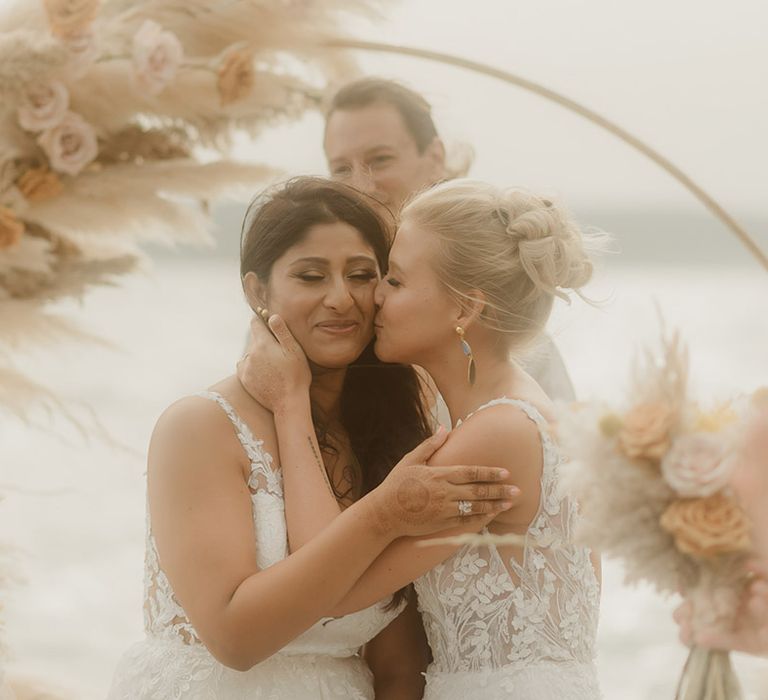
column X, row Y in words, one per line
column 652, row 480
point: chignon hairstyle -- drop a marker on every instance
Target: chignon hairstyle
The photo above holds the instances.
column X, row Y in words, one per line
column 518, row 249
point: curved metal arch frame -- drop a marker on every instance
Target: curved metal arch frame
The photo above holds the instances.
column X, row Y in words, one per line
column 664, row 163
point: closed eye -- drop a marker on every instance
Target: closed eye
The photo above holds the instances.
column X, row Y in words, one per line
column 392, row 282
column 364, row 276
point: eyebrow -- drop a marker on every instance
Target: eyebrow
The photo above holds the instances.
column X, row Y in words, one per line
column 325, row 261
column 395, row 266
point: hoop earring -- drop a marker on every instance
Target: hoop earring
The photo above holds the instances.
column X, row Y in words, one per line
column 467, row 350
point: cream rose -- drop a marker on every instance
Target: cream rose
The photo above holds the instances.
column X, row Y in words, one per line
column 697, row 465
column 157, row 55
column 236, row 76
column 11, row 229
column 44, row 106
column 70, row 17
column 645, row 432
column 706, row 527
column 71, row 145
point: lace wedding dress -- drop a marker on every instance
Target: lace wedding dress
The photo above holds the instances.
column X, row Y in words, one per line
column 172, row 663
column 521, row 626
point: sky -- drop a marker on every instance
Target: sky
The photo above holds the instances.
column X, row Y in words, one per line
column 689, row 78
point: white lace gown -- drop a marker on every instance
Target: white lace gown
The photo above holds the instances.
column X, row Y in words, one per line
column 522, row 626
column 173, row 664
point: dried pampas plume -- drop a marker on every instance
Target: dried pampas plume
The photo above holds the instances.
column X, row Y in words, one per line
column 106, row 108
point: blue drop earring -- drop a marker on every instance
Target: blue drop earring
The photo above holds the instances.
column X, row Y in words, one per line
column 467, row 350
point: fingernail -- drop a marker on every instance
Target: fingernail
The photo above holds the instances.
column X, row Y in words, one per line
column 440, row 430
column 512, row 490
column 506, row 505
column 503, row 473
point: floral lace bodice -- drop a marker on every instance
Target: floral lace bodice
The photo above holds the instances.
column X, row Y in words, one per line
column 164, row 618
column 484, row 610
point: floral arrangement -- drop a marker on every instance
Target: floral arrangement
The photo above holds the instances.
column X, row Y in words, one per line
column 116, row 125
column 652, row 480
column 117, row 120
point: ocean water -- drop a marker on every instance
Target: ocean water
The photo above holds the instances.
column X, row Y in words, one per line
column 74, row 507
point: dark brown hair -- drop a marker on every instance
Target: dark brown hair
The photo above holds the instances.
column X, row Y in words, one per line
column 413, row 108
column 381, row 404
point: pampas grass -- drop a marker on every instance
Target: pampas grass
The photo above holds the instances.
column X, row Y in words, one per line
column 153, row 175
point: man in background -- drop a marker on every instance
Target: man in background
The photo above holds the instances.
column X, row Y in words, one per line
column 381, row 139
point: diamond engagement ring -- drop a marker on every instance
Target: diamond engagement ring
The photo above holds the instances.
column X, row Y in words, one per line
column 465, row 507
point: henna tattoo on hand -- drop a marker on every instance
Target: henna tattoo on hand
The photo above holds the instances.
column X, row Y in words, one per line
column 413, row 501
column 412, row 496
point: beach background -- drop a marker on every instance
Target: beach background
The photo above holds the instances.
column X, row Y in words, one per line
column 684, row 76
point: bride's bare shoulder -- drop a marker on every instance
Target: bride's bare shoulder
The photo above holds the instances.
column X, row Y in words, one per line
column 499, row 435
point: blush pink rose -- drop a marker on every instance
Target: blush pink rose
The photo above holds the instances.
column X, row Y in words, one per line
column 157, row 55
column 71, row 145
column 44, row 106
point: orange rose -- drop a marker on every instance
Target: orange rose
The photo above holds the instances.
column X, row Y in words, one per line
column 39, row 184
column 236, row 76
column 706, row 527
column 645, row 433
column 11, row 228
column 71, row 17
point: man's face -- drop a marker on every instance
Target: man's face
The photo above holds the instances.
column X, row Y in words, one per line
column 371, row 149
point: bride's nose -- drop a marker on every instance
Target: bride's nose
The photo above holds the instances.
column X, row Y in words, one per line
column 339, row 297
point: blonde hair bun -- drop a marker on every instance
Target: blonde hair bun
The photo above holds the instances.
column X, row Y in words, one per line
column 549, row 243
column 520, row 250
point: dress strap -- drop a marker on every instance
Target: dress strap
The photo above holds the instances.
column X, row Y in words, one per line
column 244, row 433
column 261, row 461
column 263, row 475
column 528, row 408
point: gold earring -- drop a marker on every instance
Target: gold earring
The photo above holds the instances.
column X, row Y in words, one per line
column 467, row 350
column 263, row 313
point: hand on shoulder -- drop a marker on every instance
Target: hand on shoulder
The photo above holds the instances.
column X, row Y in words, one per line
column 501, row 436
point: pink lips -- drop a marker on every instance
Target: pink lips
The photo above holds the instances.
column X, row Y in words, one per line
column 339, row 327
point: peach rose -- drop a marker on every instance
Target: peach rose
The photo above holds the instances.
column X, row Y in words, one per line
column 38, row 184
column 44, row 106
column 645, row 433
column 706, row 527
column 70, row 17
column 697, row 465
column 236, row 76
column 71, row 145
column 157, row 55
column 11, row 229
